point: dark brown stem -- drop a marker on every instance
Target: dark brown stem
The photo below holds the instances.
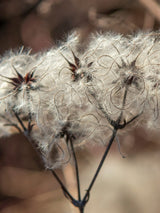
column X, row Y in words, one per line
column 77, row 170
column 86, row 196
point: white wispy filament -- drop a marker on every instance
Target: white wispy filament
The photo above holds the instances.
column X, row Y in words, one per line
column 67, row 92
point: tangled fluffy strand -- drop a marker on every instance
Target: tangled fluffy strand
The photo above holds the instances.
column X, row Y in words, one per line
column 67, row 94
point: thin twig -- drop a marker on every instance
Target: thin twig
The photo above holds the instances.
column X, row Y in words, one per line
column 26, row 132
column 77, row 170
column 86, row 196
column 20, row 121
column 14, row 125
column 10, row 123
column 64, row 189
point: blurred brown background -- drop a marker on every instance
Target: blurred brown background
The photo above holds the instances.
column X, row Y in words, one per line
column 124, row 185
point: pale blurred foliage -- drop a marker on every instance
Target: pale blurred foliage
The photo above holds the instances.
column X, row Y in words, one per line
column 128, row 185
column 33, row 191
column 124, row 185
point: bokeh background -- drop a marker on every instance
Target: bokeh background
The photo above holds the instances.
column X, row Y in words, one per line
column 125, row 185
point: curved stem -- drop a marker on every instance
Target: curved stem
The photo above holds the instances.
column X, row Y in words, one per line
column 86, row 196
column 77, row 170
column 64, row 189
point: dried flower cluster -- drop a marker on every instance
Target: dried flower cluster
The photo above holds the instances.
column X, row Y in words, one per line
column 66, row 94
